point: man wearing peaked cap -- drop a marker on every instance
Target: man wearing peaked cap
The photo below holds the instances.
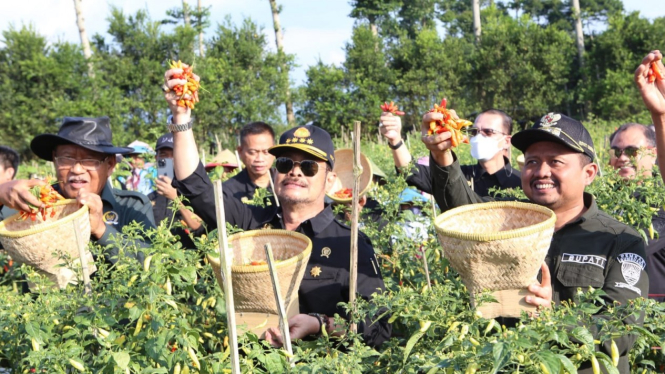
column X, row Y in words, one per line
column 305, row 158
column 84, row 157
column 589, row 248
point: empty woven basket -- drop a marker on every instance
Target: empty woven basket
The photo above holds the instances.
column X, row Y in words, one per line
column 497, row 247
column 252, row 285
column 344, row 170
column 35, row 242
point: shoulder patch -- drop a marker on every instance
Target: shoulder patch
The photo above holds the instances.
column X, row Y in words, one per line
column 631, row 269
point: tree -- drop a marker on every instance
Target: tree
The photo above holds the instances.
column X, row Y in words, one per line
column 279, row 41
column 85, row 43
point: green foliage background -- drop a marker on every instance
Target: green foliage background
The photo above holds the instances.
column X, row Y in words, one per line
column 411, row 52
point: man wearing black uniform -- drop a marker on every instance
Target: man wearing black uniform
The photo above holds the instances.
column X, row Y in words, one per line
column 588, row 248
column 255, row 140
column 305, row 158
column 633, row 153
column 491, row 134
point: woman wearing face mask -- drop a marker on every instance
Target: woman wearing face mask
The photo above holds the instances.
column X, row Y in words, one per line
column 489, row 145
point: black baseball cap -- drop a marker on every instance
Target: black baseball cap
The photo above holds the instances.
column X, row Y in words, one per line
column 558, row 128
column 164, row 141
column 309, row 139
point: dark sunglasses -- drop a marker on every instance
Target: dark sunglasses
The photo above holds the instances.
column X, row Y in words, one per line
column 309, row 168
column 628, row 151
column 487, row 132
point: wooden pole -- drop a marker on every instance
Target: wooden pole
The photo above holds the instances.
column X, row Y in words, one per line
column 283, row 321
column 225, row 259
column 84, row 260
column 272, row 186
column 355, row 213
column 422, row 251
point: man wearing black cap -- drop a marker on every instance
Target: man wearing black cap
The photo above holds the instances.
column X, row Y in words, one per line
column 305, row 158
column 84, row 157
column 589, row 248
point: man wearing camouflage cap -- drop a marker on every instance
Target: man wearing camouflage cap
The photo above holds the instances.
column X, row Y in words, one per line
column 589, row 248
column 305, row 159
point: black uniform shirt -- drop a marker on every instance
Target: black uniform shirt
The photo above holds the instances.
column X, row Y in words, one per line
column 507, row 177
column 595, row 250
column 656, row 255
column 330, row 252
column 241, row 187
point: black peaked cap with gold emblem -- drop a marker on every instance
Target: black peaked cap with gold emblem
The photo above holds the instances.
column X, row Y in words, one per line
column 310, row 139
column 558, row 128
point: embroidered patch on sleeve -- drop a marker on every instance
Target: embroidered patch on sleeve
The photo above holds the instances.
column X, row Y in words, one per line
column 631, row 269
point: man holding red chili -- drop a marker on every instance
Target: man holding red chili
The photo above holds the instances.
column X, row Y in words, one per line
column 305, row 159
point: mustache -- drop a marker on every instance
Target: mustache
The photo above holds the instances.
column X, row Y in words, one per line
column 297, row 181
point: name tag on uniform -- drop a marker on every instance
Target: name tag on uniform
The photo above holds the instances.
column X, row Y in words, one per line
column 584, row 259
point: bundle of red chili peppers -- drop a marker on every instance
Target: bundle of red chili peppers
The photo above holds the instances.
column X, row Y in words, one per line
column 654, row 73
column 448, row 123
column 391, row 108
column 188, row 93
column 47, row 195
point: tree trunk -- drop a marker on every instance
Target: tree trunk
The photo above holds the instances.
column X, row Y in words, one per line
column 476, row 20
column 279, row 40
column 85, row 43
column 185, row 12
column 578, row 31
column 200, row 33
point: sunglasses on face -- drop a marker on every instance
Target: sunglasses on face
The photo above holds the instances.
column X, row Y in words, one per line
column 486, row 132
column 309, row 168
column 628, row 151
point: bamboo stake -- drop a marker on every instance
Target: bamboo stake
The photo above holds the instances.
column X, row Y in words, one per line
column 272, row 186
column 422, row 251
column 355, row 213
column 225, row 268
column 84, row 261
column 283, row 321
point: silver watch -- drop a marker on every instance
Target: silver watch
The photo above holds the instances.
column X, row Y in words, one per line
column 177, row 127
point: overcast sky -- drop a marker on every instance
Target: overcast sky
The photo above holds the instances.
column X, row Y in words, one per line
column 313, row 29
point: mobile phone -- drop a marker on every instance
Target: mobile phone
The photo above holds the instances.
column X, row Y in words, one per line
column 165, row 167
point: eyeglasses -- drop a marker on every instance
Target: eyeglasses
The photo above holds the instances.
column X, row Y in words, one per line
column 309, row 168
column 629, row 151
column 87, row 163
column 487, row 132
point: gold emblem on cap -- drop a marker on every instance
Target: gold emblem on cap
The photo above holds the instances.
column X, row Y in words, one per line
column 550, row 119
column 310, row 141
column 325, row 252
column 302, row 140
column 288, row 140
column 315, row 272
column 294, row 140
column 301, row 133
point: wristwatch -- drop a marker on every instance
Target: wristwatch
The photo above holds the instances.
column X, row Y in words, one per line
column 178, row 127
column 396, row 146
column 323, row 321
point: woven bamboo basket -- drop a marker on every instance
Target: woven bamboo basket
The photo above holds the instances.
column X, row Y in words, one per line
column 35, row 242
column 497, row 247
column 252, row 285
column 344, row 170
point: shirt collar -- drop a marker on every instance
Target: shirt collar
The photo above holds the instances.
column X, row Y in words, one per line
column 108, row 196
column 316, row 224
column 591, row 212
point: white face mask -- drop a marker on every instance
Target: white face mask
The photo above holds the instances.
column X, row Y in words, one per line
column 484, row 148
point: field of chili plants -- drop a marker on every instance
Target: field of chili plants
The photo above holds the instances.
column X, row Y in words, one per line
column 168, row 315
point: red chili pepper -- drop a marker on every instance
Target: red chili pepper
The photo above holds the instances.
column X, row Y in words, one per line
column 391, row 108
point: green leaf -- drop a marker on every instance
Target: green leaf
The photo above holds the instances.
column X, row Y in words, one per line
column 501, row 356
column 607, row 362
column 567, row 364
column 410, row 344
column 550, row 360
column 121, row 359
column 583, row 335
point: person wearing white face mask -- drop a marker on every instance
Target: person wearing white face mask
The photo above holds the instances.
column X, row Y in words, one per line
column 489, row 145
